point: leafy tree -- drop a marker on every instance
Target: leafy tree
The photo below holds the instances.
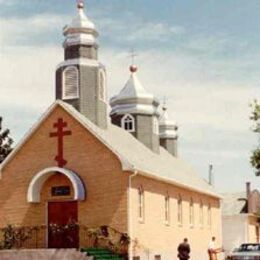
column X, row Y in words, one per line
column 5, row 142
column 255, row 117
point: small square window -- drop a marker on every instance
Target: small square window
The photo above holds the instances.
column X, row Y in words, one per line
column 157, row 257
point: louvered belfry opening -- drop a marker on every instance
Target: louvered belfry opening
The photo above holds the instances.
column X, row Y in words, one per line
column 71, row 83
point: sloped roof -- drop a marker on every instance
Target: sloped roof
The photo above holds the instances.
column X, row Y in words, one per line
column 134, row 156
column 233, row 203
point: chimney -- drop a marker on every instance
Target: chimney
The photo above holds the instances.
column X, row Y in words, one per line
column 248, row 197
column 211, row 175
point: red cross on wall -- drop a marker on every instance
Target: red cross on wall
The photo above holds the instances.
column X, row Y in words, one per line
column 60, row 125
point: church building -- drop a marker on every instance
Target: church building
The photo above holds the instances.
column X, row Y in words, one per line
column 78, row 164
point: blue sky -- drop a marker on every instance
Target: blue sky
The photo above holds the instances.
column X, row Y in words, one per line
column 204, row 56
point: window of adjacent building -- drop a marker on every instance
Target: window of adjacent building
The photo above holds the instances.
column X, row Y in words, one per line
column 180, row 210
column 102, row 86
column 136, row 258
column 128, row 123
column 157, row 257
column 167, row 209
column 155, row 125
column 191, row 213
column 201, row 217
column 70, row 83
column 141, row 204
column 209, row 215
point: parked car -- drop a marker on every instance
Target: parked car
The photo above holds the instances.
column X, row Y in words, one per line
column 246, row 252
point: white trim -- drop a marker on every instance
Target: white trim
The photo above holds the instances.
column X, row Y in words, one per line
column 129, row 214
column 126, row 165
column 123, row 122
column 80, row 61
column 35, row 186
column 102, row 88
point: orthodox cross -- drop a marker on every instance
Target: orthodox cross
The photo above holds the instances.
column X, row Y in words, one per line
column 60, row 125
column 133, row 55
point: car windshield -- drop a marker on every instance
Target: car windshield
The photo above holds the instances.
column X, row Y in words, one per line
column 249, row 248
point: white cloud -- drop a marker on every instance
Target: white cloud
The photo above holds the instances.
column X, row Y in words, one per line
column 14, row 30
column 154, row 31
column 198, row 93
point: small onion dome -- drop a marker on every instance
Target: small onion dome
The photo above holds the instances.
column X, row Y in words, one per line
column 133, row 98
column 167, row 128
column 81, row 30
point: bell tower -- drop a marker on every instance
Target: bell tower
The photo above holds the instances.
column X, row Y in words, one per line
column 81, row 78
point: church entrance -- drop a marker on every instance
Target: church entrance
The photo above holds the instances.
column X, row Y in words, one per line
column 63, row 231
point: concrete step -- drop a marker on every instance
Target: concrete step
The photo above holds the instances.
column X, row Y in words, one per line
column 43, row 254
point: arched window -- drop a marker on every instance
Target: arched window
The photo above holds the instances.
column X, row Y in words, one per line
column 141, row 203
column 128, row 123
column 209, row 214
column 167, row 209
column 102, row 86
column 201, row 214
column 70, row 83
column 191, row 213
column 180, row 210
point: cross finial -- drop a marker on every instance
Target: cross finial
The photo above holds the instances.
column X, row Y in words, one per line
column 133, row 55
column 164, row 107
column 133, row 67
column 80, row 4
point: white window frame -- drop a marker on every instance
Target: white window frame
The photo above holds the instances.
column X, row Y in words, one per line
column 201, row 214
column 102, row 86
column 179, row 211
column 123, row 122
column 191, row 213
column 64, row 96
column 209, row 215
column 141, row 204
column 167, row 209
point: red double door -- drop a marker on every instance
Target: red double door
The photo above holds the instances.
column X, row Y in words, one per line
column 63, row 231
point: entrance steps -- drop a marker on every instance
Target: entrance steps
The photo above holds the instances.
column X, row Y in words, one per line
column 43, row 254
column 101, row 254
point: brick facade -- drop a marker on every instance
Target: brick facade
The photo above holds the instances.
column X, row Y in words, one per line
column 107, row 199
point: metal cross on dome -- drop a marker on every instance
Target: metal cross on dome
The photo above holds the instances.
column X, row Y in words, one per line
column 133, row 55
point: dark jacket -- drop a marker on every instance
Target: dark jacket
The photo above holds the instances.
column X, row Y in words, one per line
column 184, row 251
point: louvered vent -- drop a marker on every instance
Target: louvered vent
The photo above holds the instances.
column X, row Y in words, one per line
column 70, row 83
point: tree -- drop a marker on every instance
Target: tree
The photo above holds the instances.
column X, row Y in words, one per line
column 255, row 117
column 5, row 142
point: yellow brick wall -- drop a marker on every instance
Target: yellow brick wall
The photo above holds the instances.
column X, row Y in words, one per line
column 96, row 165
column 106, row 186
column 153, row 233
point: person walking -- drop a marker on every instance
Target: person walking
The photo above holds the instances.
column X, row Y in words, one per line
column 213, row 250
column 184, row 250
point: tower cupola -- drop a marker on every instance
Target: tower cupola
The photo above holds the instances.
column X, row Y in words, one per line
column 168, row 132
column 81, row 78
column 81, row 31
column 135, row 110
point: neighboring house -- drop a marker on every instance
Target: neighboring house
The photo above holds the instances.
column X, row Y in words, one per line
column 75, row 165
column 240, row 218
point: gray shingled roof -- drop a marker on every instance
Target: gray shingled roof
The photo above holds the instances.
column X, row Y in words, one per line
column 134, row 156
column 232, row 203
column 161, row 166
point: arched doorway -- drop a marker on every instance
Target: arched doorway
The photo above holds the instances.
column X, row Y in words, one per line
column 61, row 210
